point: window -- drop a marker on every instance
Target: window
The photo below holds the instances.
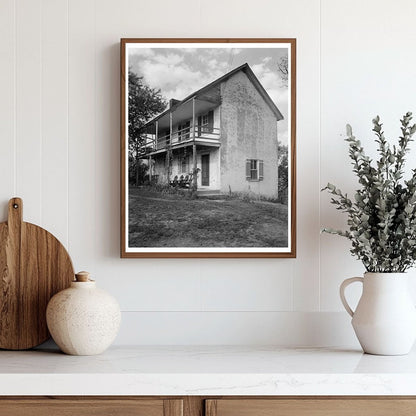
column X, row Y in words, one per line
column 254, row 170
column 206, row 123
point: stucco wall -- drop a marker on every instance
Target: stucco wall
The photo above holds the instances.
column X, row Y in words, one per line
column 248, row 131
column 159, row 168
column 177, row 164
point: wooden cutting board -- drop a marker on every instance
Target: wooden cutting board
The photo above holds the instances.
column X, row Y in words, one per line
column 34, row 266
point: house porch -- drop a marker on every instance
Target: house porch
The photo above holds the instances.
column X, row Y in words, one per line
column 180, row 166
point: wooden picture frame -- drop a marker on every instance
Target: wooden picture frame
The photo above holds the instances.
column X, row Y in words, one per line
column 190, row 163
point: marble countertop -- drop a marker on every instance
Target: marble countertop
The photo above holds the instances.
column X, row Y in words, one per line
column 193, row 370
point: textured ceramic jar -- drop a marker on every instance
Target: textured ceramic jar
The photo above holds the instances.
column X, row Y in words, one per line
column 83, row 320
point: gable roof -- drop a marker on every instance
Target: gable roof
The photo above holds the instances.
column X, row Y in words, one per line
column 250, row 74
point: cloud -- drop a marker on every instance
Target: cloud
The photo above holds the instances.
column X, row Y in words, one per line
column 279, row 93
column 178, row 72
column 141, row 52
column 175, row 81
column 218, row 67
column 282, row 134
column 270, row 79
column 214, row 51
column 170, row 59
column 188, row 50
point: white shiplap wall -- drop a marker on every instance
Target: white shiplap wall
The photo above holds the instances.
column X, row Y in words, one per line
column 59, row 151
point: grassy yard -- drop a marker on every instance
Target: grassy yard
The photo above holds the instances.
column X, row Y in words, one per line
column 159, row 221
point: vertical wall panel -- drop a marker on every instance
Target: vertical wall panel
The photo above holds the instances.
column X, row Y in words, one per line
column 264, row 285
column 139, row 284
column 28, row 107
column 82, row 151
column 55, row 117
column 113, row 23
column 367, row 69
column 298, row 19
column 7, row 103
column 59, row 121
column 238, row 328
column 305, row 27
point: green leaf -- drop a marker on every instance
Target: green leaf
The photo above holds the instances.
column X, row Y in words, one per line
column 382, row 216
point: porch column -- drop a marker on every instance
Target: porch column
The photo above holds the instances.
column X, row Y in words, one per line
column 150, row 169
column 195, row 183
column 156, row 134
column 168, row 150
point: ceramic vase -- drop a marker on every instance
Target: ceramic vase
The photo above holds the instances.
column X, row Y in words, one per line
column 385, row 318
column 83, row 320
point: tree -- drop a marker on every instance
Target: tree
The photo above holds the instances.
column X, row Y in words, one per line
column 137, row 171
column 283, row 172
column 283, row 69
column 144, row 103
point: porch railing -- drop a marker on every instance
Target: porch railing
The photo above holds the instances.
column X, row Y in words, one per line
column 184, row 135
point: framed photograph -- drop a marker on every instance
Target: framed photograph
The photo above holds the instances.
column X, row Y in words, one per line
column 208, row 131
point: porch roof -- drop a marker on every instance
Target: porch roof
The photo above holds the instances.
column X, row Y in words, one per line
column 182, row 111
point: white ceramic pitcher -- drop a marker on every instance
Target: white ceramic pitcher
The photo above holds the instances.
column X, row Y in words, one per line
column 385, row 318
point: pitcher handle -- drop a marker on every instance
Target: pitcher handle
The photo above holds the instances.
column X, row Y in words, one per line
column 342, row 288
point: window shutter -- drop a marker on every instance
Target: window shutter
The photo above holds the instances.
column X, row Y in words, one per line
column 261, row 170
column 210, row 121
column 248, row 169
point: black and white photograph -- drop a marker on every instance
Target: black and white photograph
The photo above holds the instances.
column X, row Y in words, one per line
column 208, row 148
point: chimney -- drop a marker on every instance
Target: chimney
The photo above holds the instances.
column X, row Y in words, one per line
column 172, row 102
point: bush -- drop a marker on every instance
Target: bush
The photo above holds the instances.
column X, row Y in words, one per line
column 172, row 191
column 250, row 197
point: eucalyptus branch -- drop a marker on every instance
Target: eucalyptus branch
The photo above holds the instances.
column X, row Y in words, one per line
column 382, row 215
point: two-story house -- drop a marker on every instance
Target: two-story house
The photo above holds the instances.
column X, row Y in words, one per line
column 226, row 131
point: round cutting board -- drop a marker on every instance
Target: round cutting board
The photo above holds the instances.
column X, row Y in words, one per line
column 34, row 266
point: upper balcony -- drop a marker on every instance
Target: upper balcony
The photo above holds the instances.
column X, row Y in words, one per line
column 193, row 121
column 203, row 135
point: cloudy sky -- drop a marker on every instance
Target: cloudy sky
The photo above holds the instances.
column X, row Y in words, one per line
column 178, row 72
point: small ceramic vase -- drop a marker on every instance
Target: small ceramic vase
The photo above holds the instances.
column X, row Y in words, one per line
column 385, row 318
column 82, row 319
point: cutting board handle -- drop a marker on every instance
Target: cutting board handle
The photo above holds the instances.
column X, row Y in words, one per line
column 34, row 266
column 15, row 215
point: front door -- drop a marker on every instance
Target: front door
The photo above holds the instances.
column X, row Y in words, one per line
column 205, row 170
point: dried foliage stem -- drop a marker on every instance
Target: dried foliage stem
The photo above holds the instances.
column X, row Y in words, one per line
column 382, row 216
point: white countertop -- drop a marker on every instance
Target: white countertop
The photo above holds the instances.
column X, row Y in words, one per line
column 207, row 371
